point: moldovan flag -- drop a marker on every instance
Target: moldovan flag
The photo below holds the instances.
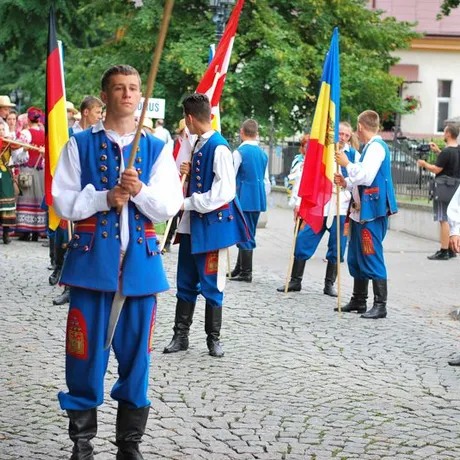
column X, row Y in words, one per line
column 57, row 133
column 318, row 172
column 212, row 82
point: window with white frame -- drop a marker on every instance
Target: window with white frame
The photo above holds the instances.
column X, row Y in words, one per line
column 444, row 91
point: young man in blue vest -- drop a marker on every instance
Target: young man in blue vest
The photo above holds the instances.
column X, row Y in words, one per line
column 113, row 263
column 252, row 188
column 211, row 220
column 373, row 200
column 308, row 241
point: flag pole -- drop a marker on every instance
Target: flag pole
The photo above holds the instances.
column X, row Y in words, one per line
column 337, row 189
column 152, row 76
column 291, row 260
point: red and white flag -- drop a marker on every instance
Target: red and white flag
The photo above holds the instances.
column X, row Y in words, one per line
column 212, row 83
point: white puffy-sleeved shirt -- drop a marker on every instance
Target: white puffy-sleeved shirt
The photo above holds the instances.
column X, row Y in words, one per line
column 453, row 214
column 223, row 188
column 237, row 160
column 158, row 200
column 330, row 206
column 364, row 172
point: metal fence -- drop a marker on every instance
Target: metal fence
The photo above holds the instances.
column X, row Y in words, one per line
column 410, row 181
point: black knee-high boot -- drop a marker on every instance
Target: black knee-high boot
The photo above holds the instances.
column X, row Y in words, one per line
column 82, row 428
column 59, row 262
column 131, row 425
column 182, row 323
column 379, row 309
column 237, row 270
column 295, row 284
column 246, row 266
column 358, row 301
column 212, row 325
column 329, row 280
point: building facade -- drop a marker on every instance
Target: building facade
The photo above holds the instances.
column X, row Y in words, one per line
column 430, row 67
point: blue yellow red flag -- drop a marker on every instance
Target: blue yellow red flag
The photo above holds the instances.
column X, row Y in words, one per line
column 317, row 180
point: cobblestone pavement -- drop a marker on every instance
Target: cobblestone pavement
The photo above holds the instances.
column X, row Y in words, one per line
column 298, row 381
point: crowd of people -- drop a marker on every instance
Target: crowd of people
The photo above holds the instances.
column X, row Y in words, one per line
column 110, row 262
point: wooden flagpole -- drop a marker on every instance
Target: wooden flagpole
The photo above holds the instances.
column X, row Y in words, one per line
column 152, row 76
column 291, row 260
column 337, row 188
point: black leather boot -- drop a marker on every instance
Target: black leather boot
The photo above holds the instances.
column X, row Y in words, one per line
column 59, row 262
column 358, row 299
column 246, row 266
column 82, row 428
column 182, row 323
column 131, row 425
column 63, row 298
column 6, row 235
column 379, row 309
column 329, row 280
column 237, row 270
column 212, row 325
column 295, row 284
column 52, row 254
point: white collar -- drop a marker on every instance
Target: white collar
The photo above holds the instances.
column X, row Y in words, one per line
column 99, row 126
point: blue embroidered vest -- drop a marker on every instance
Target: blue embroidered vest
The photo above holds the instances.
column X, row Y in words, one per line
column 378, row 200
column 250, row 187
column 222, row 227
column 93, row 257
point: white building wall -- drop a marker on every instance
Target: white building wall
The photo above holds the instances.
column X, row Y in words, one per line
column 433, row 66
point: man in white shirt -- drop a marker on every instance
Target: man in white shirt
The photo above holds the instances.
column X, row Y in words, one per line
column 163, row 134
column 113, row 261
column 373, row 200
column 212, row 220
column 91, row 113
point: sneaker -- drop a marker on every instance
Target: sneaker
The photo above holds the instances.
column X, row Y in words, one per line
column 452, row 254
column 439, row 255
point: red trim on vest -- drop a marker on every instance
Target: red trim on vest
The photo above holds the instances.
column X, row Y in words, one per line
column 212, row 262
column 225, row 206
column 370, row 191
column 87, row 225
column 77, row 335
column 63, row 224
column 149, row 229
column 367, row 243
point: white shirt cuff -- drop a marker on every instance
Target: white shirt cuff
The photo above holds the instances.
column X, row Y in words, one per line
column 100, row 201
column 141, row 196
column 188, row 205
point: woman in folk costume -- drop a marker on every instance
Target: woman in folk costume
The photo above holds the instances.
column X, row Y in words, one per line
column 31, row 218
column 7, row 192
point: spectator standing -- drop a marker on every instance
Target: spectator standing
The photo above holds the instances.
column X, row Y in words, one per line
column 12, row 121
column 163, row 134
column 447, row 164
column 5, row 106
column 31, row 218
column 252, row 188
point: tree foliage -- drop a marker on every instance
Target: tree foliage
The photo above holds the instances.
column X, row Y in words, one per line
column 447, row 6
column 276, row 64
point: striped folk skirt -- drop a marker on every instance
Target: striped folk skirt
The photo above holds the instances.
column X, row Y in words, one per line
column 30, row 216
column 7, row 200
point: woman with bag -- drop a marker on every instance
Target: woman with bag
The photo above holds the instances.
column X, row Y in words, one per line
column 447, row 170
column 31, row 218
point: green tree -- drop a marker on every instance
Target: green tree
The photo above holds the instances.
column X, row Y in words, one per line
column 276, row 63
column 447, row 6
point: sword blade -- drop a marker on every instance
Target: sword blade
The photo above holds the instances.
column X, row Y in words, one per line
column 115, row 311
column 221, row 269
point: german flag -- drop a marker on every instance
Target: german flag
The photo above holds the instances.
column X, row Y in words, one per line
column 317, row 180
column 56, row 129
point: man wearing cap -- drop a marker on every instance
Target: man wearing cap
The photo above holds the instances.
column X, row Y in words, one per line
column 5, row 106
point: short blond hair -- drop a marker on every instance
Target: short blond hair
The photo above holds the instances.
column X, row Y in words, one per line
column 370, row 120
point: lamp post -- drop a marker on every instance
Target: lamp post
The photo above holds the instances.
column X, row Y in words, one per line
column 20, row 98
column 222, row 10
